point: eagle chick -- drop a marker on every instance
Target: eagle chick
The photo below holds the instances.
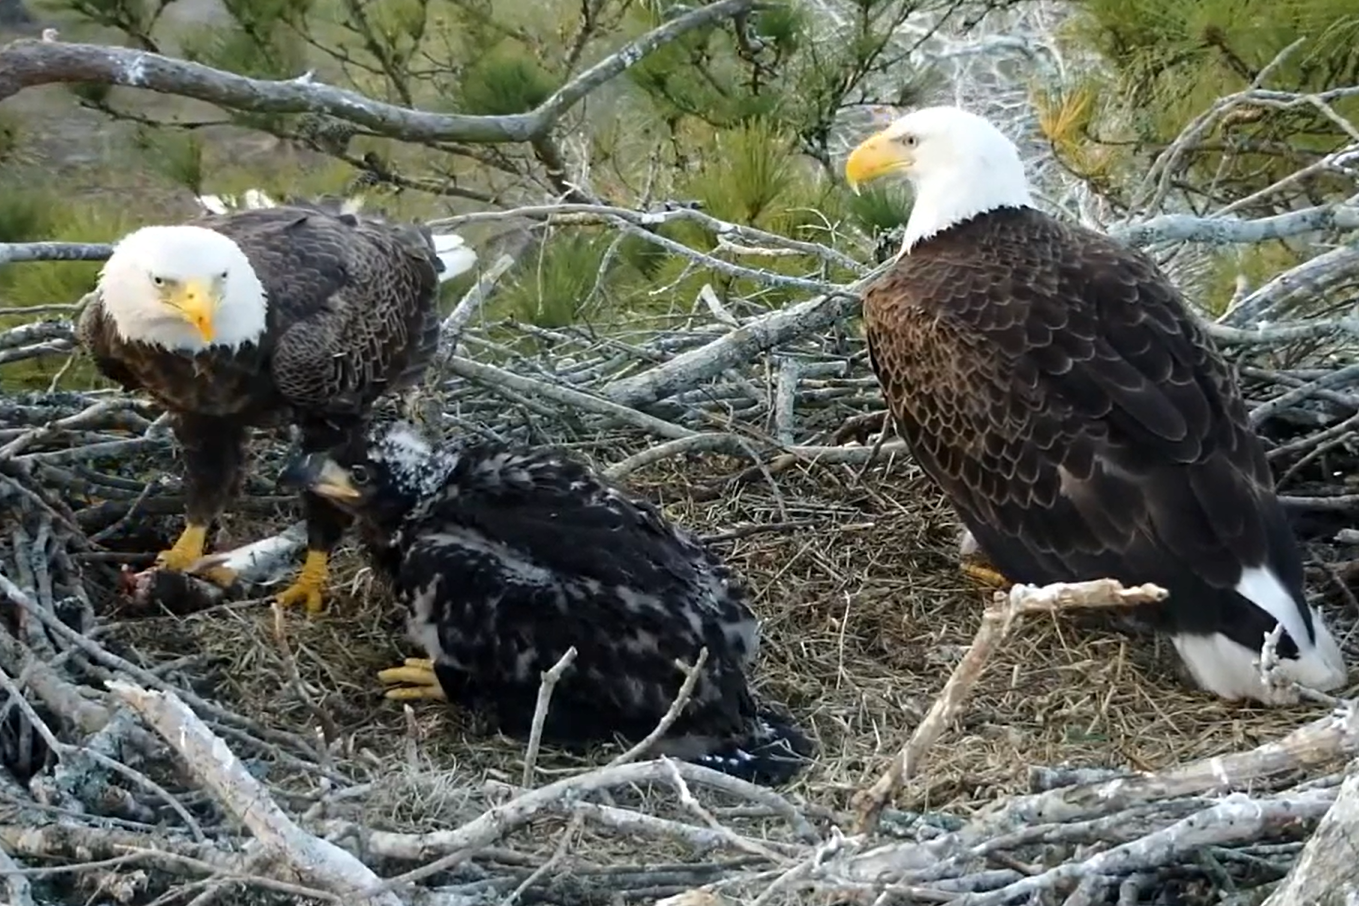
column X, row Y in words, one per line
column 505, row 558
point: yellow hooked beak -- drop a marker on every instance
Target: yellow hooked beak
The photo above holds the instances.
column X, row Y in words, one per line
column 334, row 482
column 197, row 303
column 877, row 156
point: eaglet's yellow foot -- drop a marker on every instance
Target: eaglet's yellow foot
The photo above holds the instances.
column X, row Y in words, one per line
column 418, row 674
column 187, row 551
column 310, row 584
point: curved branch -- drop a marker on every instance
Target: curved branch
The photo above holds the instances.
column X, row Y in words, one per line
column 1226, row 230
column 29, row 63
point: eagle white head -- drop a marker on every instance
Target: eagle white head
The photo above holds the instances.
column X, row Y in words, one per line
column 958, row 163
column 183, row 288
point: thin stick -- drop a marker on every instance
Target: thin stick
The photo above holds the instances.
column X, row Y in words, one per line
column 545, row 687
column 686, row 691
column 996, row 623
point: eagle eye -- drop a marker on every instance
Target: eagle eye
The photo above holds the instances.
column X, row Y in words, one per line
column 909, row 140
column 157, row 281
column 359, row 475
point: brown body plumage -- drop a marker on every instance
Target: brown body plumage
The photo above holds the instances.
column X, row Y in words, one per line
column 1055, row 385
column 351, row 317
column 349, row 314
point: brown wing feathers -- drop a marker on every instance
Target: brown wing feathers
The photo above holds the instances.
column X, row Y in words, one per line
column 1072, row 410
column 351, row 301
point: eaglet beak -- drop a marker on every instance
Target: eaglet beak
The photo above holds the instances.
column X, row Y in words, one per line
column 321, row 475
column 197, row 304
column 877, row 156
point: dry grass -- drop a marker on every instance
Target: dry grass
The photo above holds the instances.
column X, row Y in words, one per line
column 865, row 612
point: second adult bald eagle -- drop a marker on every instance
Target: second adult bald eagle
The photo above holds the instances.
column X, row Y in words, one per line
column 1056, row 386
column 298, row 312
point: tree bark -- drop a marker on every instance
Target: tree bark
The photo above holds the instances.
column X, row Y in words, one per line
column 1327, row 872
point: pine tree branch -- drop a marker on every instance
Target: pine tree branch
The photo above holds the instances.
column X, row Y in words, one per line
column 28, row 63
column 16, row 252
column 1220, row 230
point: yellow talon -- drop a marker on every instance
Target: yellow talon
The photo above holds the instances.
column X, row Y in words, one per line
column 985, row 575
column 419, row 673
column 310, row 584
column 186, row 551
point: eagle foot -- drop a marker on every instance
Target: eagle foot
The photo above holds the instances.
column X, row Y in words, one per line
column 310, row 584
column 186, row 551
column 986, row 576
column 418, row 672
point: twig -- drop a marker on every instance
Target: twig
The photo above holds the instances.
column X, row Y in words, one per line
column 686, row 691
column 1326, row 865
column 20, row 891
column 549, row 682
column 995, row 625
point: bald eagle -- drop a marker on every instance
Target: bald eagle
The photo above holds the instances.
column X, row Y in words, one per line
column 301, row 313
column 1054, row 383
column 504, row 558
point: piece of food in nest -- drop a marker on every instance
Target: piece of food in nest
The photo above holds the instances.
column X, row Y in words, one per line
column 1057, row 387
column 212, row 580
column 306, row 311
column 505, row 558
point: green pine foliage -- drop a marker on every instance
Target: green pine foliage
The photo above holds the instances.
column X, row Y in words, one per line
column 1162, row 63
column 734, row 118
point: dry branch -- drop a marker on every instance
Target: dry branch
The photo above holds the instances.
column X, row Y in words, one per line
column 996, row 622
column 28, row 63
column 1325, row 872
column 321, row 863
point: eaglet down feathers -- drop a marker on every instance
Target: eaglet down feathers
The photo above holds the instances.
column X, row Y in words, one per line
column 505, row 558
column 298, row 313
column 1055, row 385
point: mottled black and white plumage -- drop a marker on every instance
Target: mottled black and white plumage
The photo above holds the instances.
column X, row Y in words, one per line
column 303, row 312
column 1060, row 391
column 505, row 558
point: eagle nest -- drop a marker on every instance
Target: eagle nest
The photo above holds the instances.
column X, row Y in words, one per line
column 165, row 741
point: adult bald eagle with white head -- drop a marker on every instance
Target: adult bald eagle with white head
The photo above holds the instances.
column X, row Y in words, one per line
column 1054, row 383
column 303, row 312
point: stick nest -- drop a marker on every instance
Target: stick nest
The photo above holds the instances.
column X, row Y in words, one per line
column 244, row 755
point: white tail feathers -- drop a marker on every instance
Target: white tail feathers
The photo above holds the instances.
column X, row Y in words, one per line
column 1231, row 670
column 453, row 251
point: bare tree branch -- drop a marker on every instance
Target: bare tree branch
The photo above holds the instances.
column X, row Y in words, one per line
column 1220, row 230
column 29, row 63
